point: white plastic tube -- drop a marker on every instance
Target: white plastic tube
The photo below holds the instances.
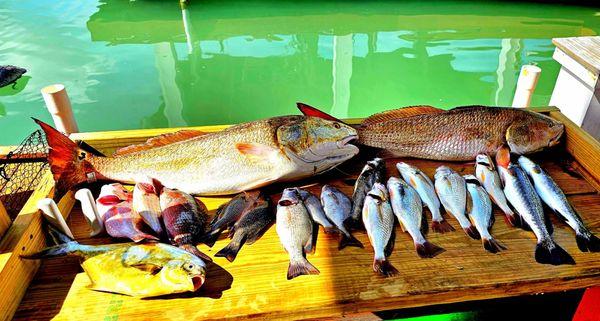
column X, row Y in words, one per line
column 90, row 211
column 58, row 104
column 54, row 216
column 526, row 84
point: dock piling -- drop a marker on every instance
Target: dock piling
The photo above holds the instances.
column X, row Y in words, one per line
column 526, row 84
column 58, row 104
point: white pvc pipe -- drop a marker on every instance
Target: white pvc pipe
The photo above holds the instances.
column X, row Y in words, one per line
column 58, row 104
column 90, row 211
column 49, row 208
column 526, row 84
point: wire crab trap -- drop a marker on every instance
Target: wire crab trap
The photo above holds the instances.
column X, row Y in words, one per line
column 21, row 170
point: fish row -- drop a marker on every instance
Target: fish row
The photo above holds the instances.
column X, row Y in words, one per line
column 152, row 212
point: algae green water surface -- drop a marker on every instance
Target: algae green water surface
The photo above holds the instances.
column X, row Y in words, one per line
column 133, row 64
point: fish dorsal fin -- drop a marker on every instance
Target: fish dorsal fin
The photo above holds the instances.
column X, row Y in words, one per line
column 311, row 111
column 158, row 141
column 401, row 113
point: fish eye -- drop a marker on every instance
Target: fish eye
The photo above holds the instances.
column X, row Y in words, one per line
column 188, row 266
column 337, row 125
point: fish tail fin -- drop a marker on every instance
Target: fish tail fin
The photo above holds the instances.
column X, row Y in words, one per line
column 192, row 249
column 384, row 267
column 441, row 226
column 301, row 267
column 331, row 230
column 53, row 251
column 68, row 161
column 349, row 240
column 548, row 252
column 231, row 250
column 211, row 237
column 472, row 232
column 492, row 245
column 587, row 242
column 428, row 249
column 512, row 219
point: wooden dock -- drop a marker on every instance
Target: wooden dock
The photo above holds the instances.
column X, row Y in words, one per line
column 255, row 285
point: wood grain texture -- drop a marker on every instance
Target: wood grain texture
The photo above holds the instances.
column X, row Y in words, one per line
column 585, row 50
column 4, row 220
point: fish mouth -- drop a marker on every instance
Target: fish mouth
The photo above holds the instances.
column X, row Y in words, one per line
column 346, row 140
column 197, row 281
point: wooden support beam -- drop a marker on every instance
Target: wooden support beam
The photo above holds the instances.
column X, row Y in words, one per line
column 4, row 220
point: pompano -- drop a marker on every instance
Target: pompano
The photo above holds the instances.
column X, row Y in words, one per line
column 140, row 270
column 452, row 191
column 554, row 197
column 372, row 172
column 524, row 199
column 378, row 218
column 185, row 218
column 115, row 207
column 408, row 208
column 147, row 204
column 294, row 228
column 458, row 134
column 240, row 158
column 423, row 185
column 338, row 207
column 488, row 177
column 480, row 213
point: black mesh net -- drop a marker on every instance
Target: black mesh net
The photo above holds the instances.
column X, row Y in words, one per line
column 21, row 170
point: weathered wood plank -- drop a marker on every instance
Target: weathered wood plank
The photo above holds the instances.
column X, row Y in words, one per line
column 585, row 50
column 4, row 220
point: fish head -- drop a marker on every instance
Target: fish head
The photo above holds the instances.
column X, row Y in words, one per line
column 186, row 273
column 317, row 143
column 379, row 193
column 471, row 179
column 535, row 134
column 290, row 196
column 171, row 197
column 529, row 166
column 443, row 171
column 485, row 161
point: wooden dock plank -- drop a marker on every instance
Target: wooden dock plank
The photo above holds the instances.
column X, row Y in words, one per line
column 585, row 50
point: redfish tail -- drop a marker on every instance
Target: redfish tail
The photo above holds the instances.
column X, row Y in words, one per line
column 428, row 250
column 587, row 242
column 548, row 252
column 472, row 232
column 192, row 249
column 384, row 268
column 492, row 245
column 69, row 162
column 441, row 226
column 301, row 267
column 349, row 240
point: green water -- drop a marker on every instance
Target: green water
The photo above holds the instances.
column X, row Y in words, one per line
column 130, row 64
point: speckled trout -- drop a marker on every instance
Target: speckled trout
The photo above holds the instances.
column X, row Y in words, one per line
column 240, row 158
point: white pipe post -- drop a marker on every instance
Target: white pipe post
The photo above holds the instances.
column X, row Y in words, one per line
column 49, row 208
column 58, row 104
column 528, row 79
column 90, row 211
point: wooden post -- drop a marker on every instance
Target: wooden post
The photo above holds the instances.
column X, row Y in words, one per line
column 58, row 104
column 4, row 220
column 528, row 79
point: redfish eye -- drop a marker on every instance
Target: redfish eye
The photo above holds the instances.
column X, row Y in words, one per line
column 337, row 125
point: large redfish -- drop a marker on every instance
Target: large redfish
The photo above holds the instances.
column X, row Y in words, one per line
column 240, row 158
column 458, row 134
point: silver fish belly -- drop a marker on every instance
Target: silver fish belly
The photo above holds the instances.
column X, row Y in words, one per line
column 481, row 214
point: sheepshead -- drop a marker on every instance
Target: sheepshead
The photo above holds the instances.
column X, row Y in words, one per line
column 229, row 213
column 408, row 208
column 240, row 158
column 294, row 228
column 139, row 270
column 374, row 171
column 114, row 205
column 524, row 199
column 251, row 225
column 147, row 204
column 555, row 198
column 458, row 134
column 378, row 218
column 184, row 217
column 315, row 209
column 10, row 74
column 338, row 207
column 452, row 191
column 488, row 177
column 423, row 185
column 481, row 214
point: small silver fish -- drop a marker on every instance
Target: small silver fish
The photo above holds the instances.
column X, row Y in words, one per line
column 524, row 199
column 374, row 171
column 315, row 209
column 295, row 229
column 554, row 197
column 423, row 185
column 408, row 208
column 481, row 214
column 378, row 219
column 338, row 208
column 452, row 191
column 488, row 177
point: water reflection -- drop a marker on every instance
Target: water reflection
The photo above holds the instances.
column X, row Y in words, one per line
column 225, row 62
